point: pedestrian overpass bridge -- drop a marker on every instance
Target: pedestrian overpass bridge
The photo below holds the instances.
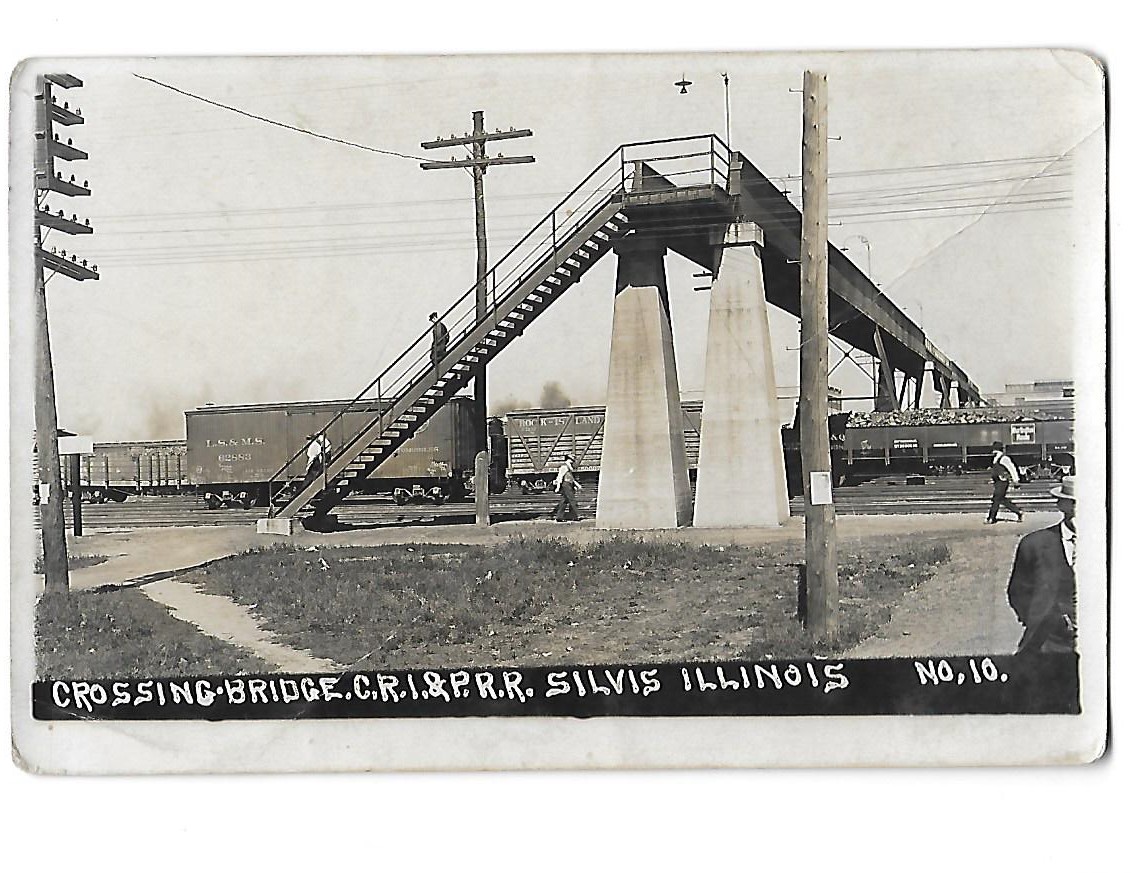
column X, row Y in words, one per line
column 685, row 195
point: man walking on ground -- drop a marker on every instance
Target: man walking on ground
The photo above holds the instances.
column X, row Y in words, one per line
column 566, row 485
column 1042, row 586
column 1003, row 473
column 439, row 340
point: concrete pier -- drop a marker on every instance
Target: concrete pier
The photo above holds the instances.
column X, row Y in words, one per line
column 741, row 478
column 644, row 483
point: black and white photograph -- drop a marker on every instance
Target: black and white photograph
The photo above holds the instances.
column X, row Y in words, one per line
column 546, row 411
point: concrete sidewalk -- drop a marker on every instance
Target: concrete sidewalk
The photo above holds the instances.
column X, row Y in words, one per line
column 136, row 554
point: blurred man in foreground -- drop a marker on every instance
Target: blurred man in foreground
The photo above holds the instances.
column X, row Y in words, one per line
column 1042, row 587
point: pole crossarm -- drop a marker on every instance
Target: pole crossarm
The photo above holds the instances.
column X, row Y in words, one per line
column 473, row 162
column 468, row 138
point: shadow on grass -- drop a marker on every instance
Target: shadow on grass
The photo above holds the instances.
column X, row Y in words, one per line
column 401, row 521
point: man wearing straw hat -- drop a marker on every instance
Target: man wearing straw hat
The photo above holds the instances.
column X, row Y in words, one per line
column 1042, row 587
column 566, row 485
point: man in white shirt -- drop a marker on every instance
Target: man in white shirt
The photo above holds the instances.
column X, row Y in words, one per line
column 566, row 485
column 1003, row 473
column 1042, row 586
column 317, row 456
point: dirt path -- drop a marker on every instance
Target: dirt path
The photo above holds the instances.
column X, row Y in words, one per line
column 226, row 620
column 962, row 609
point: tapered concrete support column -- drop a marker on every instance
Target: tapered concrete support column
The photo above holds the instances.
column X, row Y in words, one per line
column 644, row 483
column 741, row 479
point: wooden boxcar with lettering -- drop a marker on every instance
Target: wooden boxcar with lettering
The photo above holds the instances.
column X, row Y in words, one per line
column 117, row 470
column 234, row 450
column 539, row 439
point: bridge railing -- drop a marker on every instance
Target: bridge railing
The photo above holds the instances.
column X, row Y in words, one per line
column 692, row 160
column 686, row 162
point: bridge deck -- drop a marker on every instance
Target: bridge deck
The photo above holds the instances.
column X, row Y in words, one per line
column 692, row 220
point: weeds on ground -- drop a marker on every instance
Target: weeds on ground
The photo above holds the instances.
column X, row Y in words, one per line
column 107, row 634
column 869, row 584
column 529, row 599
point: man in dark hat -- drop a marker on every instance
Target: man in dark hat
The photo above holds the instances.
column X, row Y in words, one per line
column 1004, row 475
column 566, row 485
column 439, row 340
column 1042, row 586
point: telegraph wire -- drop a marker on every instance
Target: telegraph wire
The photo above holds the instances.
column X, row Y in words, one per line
column 878, row 193
column 351, row 251
column 280, row 123
column 396, row 240
column 420, row 241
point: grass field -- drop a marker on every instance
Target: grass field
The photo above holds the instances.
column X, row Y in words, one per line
column 545, row 601
column 107, row 634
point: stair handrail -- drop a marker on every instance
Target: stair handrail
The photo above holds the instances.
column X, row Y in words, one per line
column 492, row 278
column 416, row 368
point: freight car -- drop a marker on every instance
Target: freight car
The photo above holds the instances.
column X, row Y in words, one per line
column 120, row 469
column 863, row 445
column 234, row 450
column 539, row 439
column 954, row 442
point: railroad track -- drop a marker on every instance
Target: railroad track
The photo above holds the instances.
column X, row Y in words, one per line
column 885, row 496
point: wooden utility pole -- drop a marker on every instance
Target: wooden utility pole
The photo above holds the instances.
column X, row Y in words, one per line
column 816, row 463
column 51, row 496
column 49, row 148
column 477, row 165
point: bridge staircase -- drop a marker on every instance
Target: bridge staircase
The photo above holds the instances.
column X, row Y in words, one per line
column 549, row 260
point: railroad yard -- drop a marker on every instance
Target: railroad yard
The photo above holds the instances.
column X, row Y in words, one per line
column 888, row 495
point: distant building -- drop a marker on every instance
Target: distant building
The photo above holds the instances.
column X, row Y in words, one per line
column 1056, row 396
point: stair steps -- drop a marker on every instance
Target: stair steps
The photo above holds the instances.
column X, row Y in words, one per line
column 517, row 307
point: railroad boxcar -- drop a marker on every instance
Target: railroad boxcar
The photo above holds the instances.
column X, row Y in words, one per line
column 539, row 439
column 117, row 470
column 234, row 450
column 1040, row 448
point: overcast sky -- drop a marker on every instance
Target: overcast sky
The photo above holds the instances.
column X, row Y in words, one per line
column 242, row 262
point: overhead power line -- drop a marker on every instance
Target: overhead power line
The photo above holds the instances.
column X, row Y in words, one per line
column 282, row 124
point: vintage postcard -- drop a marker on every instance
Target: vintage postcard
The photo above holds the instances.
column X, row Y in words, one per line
column 558, row 411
